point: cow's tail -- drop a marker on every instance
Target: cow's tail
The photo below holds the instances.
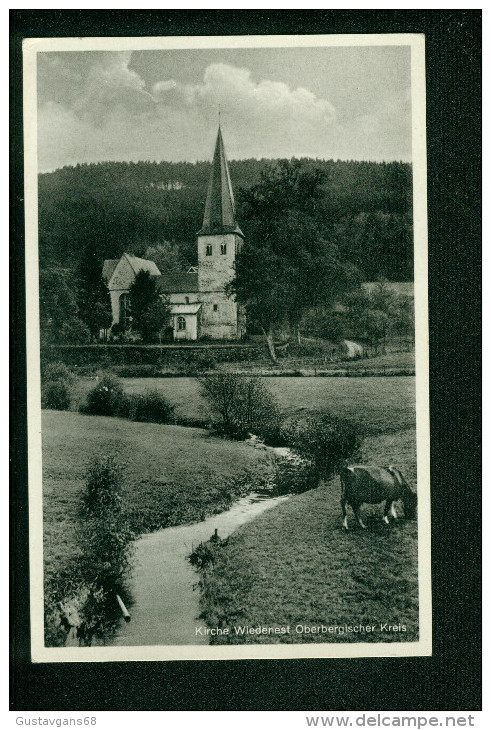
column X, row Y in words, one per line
column 399, row 478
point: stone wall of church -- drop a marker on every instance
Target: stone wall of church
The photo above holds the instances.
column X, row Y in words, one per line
column 218, row 316
column 180, row 298
column 115, row 294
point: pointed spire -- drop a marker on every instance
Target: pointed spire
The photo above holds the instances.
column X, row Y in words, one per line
column 220, row 207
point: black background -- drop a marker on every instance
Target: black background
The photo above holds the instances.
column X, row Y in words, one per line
column 450, row 679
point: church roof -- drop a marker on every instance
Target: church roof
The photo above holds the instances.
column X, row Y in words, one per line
column 219, row 214
column 177, row 283
column 138, row 265
column 185, row 308
column 108, row 268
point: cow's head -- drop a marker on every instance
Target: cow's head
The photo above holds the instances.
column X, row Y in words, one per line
column 410, row 501
column 409, row 498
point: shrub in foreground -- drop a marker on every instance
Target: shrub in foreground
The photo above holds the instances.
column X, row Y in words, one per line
column 204, row 555
column 57, row 371
column 56, row 394
column 56, row 384
column 107, row 399
column 105, row 541
column 151, row 406
column 324, row 440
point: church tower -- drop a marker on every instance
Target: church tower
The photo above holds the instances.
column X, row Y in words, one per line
column 219, row 241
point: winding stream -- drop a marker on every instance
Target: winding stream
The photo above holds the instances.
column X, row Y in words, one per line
column 163, row 585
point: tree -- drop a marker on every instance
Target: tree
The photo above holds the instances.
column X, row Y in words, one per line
column 94, row 299
column 58, row 310
column 244, row 405
column 381, row 244
column 74, row 332
column 378, row 312
column 404, row 324
column 149, row 311
column 167, row 257
column 287, row 264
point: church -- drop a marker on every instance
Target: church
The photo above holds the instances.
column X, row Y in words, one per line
column 200, row 307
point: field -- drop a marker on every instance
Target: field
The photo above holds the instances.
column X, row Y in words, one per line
column 292, row 565
column 172, row 475
column 380, row 404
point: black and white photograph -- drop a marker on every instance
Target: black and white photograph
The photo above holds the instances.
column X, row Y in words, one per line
column 227, row 340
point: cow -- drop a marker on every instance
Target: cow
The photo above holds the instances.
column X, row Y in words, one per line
column 372, row 485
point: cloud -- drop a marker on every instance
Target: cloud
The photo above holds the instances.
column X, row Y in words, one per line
column 96, row 107
column 244, row 102
column 233, row 88
column 161, row 87
column 110, row 83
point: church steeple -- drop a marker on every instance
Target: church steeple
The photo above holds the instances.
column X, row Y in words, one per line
column 219, row 214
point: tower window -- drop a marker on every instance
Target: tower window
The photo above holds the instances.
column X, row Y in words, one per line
column 186, row 299
column 209, row 249
column 181, row 323
column 223, row 248
column 215, row 307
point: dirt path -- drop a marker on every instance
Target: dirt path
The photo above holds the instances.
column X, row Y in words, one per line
column 166, row 599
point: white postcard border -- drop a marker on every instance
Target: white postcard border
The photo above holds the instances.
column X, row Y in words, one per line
column 40, row 653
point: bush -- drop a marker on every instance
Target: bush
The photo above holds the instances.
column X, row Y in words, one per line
column 105, row 542
column 56, row 394
column 244, row 405
column 56, row 383
column 104, row 533
column 57, row 371
column 107, row 399
column 325, row 440
column 153, row 407
column 294, row 474
column 204, row 555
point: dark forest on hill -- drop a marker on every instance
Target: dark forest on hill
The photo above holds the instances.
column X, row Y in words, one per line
column 108, row 208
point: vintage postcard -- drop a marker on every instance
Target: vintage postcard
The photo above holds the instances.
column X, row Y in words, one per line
column 227, row 338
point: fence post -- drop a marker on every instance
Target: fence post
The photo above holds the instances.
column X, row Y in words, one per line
column 123, row 608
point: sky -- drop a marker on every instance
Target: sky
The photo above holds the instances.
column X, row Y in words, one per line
column 342, row 103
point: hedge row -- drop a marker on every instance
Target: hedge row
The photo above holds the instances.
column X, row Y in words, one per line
column 185, row 357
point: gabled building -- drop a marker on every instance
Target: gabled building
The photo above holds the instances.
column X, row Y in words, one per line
column 200, row 305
